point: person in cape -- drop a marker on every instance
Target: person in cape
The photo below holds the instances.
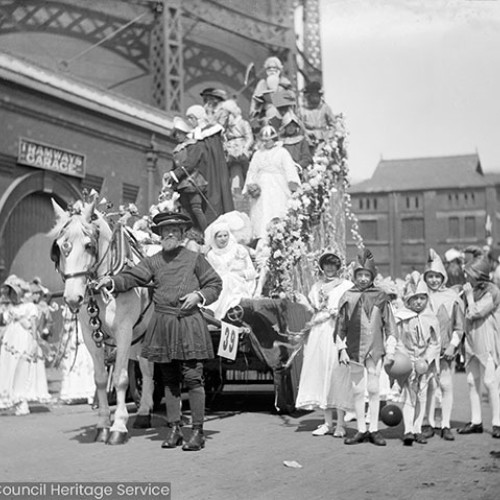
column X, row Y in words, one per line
column 324, row 383
column 482, row 343
column 212, row 163
column 177, row 337
column 22, row 364
column 449, row 309
column 272, row 178
column 419, row 339
column 365, row 333
column 187, row 177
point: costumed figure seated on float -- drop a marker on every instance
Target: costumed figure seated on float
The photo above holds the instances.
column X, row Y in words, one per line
column 213, row 100
column 148, row 241
column 324, row 382
column 189, row 174
column 22, row 363
column 294, row 141
column 272, row 178
column 233, row 264
column 316, row 115
column 210, row 161
column 263, row 109
column 238, row 142
column 418, row 340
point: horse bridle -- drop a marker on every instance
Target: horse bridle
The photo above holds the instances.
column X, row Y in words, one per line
column 55, row 256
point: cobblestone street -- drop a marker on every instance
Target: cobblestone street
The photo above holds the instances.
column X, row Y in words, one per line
column 246, row 447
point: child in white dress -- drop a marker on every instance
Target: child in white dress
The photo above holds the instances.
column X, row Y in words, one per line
column 22, row 364
column 323, row 381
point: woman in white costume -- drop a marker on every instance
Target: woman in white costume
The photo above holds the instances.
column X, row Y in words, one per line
column 323, row 381
column 271, row 179
column 22, row 364
column 232, row 262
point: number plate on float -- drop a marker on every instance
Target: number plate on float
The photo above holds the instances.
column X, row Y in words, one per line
column 229, row 338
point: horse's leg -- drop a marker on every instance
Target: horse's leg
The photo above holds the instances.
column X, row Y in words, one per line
column 119, row 431
column 146, row 403
column 101, row 379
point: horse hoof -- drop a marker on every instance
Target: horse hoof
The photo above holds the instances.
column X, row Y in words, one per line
column 142, row 422
column 117, row 437
column 102, row 435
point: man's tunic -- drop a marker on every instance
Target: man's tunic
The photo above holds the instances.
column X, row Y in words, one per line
column 174, row 334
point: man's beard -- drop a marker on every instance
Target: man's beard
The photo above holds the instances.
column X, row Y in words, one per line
column 169, row 244
column 273, row 81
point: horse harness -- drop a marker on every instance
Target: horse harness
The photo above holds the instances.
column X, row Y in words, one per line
column 118, row 241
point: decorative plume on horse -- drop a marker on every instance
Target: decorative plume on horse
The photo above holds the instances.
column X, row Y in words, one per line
column 86, row 247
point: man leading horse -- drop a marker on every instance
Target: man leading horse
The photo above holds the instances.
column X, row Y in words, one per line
column 177, row 337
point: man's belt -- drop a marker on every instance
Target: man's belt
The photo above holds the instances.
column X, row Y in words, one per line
column 176, row 311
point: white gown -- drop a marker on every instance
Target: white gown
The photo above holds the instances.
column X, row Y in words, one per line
column 235, row 267
column 272, row 170
column 324, row 382
column 77, row 366
column 22, row 364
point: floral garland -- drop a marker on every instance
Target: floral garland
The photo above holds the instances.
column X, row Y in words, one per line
column 292, row 238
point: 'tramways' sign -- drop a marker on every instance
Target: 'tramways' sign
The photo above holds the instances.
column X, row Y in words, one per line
column 35, row 154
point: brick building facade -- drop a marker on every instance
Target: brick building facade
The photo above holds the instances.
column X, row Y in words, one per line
column 410, row 205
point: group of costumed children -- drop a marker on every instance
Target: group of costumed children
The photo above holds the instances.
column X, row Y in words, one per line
column 358, row 334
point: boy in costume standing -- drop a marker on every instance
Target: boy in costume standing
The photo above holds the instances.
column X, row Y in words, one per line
column 365, row 333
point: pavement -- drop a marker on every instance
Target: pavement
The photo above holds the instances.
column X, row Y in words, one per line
column 247, row 445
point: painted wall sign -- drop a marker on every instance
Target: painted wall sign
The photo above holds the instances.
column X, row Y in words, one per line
column 39, row 155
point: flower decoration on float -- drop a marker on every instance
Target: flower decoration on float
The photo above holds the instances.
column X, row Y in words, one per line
column 310, row 206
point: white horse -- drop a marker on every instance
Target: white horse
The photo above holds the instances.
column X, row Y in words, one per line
column 82, row 253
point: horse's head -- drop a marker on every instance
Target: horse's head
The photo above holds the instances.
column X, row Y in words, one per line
column 76, row 249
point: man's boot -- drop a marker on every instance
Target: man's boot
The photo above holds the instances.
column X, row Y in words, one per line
column 174, row 436
column 196, row 441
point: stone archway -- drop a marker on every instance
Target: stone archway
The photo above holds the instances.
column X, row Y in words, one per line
column 25, row 217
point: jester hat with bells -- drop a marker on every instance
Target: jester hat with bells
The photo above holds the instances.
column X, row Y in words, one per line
column 365, row 261
column 435, row 264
